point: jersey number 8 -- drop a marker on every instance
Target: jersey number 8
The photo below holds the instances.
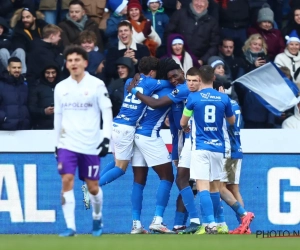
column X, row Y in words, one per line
column 209, row 114
column 132, row 98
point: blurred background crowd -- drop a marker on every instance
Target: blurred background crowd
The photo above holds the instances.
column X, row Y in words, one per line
column 233, row 36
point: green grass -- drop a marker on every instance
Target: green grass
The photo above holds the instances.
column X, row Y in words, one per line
column 145, row 242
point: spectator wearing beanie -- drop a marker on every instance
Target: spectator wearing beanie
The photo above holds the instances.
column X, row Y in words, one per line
column 290, row 58
column 158, row 18
column 265, row 27
column 143, row 32
column 119, row 11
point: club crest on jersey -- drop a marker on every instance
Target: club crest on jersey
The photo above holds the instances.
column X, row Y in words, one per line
column 175, row 92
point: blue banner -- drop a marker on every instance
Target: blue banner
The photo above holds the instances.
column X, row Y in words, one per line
column 30, row 196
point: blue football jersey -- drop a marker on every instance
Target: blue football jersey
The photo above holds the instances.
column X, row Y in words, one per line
column 153, row 119
column 234, row 132
column 209, row 107
column 132, row 108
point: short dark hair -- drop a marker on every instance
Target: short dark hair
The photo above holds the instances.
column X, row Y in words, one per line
column 148, row 63
column 88, row 36
column 226, row 39
column 125, row 23
column 207, row 74
column 193, row 71
column 77, row 2
column 14, row 59
column 71, row 49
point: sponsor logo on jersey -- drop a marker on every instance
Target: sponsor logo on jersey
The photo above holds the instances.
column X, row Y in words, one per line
column 214, row 142
column 124, row 117
column 129, row 106
column 208, row 96
column 210, row 129
column 76, row 105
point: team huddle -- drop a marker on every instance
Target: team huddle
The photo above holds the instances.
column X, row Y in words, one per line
column 204, row 124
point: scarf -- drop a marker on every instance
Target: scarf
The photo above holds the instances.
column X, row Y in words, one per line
column 251, row 56
column 196, row 14
column 139, row 27
column 80, row 25
column 187, row 62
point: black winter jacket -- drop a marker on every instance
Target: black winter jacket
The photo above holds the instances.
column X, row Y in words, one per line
column 202, row 36
column 5, row 42
column 14, row 114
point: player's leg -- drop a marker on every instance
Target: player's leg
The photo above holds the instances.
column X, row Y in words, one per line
column 89, row 166
column 122, row 137
column 200, row 171
column 181, row 215
column 140, row 173
column 67, row 164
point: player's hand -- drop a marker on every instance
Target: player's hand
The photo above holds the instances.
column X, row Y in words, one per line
column 186, row 129
column 104, row 145
column 134, row 82
column 49, row 110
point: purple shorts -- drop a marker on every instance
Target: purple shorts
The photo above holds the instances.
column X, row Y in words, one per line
column 88, row 165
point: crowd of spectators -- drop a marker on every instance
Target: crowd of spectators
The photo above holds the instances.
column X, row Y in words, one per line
column 233, row 36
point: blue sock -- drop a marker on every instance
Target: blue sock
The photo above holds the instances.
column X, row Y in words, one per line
column 203, row 217
column 111, row 175
column 238, row 218
column 186, row 216
column 188, row 201
column 137, row 200
column 179, row 219
column 237, row 207
column 107, row 167
column 207, row 205
column 216, row 200
column 162, row 197
column 220, row 218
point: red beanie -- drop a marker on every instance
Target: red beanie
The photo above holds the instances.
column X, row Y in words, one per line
column 134, row 4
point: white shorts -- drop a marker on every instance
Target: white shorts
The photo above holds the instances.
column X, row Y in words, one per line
column 185, row 156
column 123, row 139
column 206, row 165
column 231, row 171
column 149, row 150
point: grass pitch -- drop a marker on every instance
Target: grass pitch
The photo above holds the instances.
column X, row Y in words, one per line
column 145, row 242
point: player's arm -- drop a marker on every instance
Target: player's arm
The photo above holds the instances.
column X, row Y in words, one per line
column 152, row 102
column 57, row 116
column 186, row 115
column 230, row 117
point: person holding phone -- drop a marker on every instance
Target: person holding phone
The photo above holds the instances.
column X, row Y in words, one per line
column 41, row 97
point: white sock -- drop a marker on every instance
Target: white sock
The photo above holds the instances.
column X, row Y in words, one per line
column 97, row 201
column 212, row 224
column 222, row 224
column 195, row 220
column 137, row 223
column 157, row 220
column 69, row 209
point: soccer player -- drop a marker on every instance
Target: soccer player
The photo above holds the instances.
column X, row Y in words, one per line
column 124, row 124
column 176, row 99
column 229, row 188
column 209, row 107
column 79, row 102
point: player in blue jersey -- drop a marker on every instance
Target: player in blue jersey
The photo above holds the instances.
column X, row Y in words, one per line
column 176, row 99
column 229, row 188
column 124, row 124
column 208, row 107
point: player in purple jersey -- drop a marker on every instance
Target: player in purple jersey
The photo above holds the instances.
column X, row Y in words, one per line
column 79, row 102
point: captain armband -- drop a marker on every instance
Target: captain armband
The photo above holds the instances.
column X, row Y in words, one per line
column 187, row 112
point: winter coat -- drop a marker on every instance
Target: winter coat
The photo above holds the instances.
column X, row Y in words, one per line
column 71, row 32
column 14, row 114
column 5, row 42
column 21, row 37
column 292, row 62
column 111, row 31
column 95, row 9
column 159, row 21
column 202, row 36
column 273, row 39
column 293, row 122
column 36, row 58
column 8, row 7
column 41, row 96
column 52, row 4
column 236, row 15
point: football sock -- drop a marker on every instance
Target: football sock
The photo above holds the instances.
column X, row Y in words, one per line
column 188, row 200
column 162, row 197
column 69, row 209
column 218, row 208
column 111, row 175
column 186, row 216
column 238, row 218
column 237, row 207
column 206, row 206
column 107, row 167
column 97, row 201
column 137, row 200
column 179, row 219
